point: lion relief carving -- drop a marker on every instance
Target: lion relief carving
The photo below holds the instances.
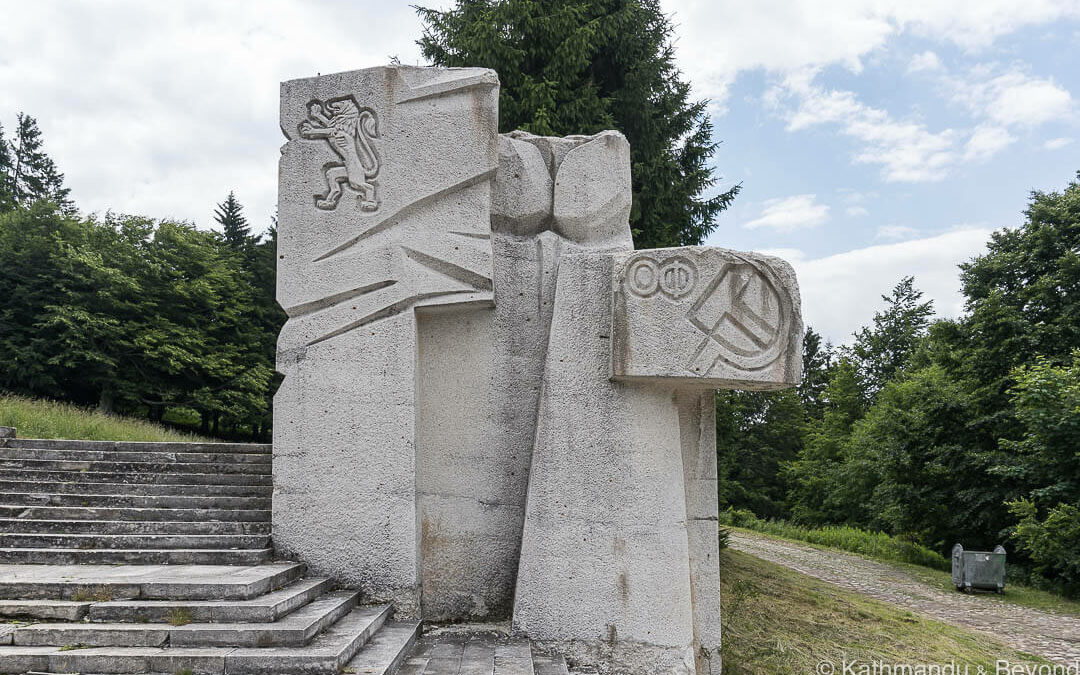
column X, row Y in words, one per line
column 350, row 131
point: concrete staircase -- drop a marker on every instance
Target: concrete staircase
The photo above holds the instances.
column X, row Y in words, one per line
column 156, row 558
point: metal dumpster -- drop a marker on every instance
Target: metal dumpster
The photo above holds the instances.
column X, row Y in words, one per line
column 978, row 569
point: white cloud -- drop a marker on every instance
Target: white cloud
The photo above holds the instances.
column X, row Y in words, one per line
column 987, row 141
column 896, row 232
column 1013, row 98
column 1058, row 143
column 856, row 211
column 719, row 40
column 791, row 213
column 841, row 292
column 162, row 108
column 927, row 60
column 907, row 151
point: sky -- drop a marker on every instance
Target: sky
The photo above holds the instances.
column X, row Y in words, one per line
column 872, row 139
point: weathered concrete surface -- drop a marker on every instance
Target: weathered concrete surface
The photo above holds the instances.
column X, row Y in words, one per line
column 710, row 317
column 604, row 574
column 384, row 206
column 481, row 370
column 697, row 430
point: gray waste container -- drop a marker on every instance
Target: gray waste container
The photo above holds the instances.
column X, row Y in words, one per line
column 978, row 569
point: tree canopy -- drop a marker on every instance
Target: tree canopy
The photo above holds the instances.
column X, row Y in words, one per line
column 583, row 66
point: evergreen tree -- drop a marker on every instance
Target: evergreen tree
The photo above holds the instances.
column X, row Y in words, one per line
column 817, row 360
column 31, row 174
column 582, row 66
column 7, row 194
column 233, row 223
column 884, row 349
column 813, row 475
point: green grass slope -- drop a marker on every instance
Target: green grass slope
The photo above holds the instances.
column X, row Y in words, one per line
column 35, row 418
column 779, row 622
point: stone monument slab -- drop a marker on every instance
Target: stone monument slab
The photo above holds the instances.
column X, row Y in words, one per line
column 704, row 316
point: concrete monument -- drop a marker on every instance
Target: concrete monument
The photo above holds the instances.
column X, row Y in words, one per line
column 493, row 407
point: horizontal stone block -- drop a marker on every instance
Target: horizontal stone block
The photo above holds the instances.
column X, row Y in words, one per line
column 706, row 316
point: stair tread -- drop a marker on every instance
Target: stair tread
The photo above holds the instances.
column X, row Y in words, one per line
column 27, row 512
column 13, row 473
column 386, row 650
column 271, row 605
column 27, row 526
column 138, row 446
column 130, row 556
column 194, row 582
column 295, row 629
column 327, row 653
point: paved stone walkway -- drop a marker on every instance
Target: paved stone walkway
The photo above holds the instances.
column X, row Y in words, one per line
column 478, row 649
column 1053, row 636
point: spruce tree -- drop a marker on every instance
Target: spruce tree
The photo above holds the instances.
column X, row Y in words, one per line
column 7, row 195
column 30, row 173
column 883, row 350
column 582, row 66
column 233, row 223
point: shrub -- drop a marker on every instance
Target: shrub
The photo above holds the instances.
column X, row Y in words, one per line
column 871, row 544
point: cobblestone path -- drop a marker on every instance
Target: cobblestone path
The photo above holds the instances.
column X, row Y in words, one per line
column 1053, row 636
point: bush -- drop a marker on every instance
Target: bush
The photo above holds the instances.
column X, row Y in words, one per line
column 871, row 544
column 1053, row 543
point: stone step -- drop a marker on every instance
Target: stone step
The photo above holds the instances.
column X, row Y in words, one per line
column 133, row 541
column 262, row 609
column 22, row 525
column 44, row 610
column 470, row 651
column 144, row 489
column 263, row 468
column 145, row 582
column 137, row 446
column 134, row 501
column 387, row 650
column 133, row 456
column 295, row 630
column 147, row 514
column 326, row 654
column 73, row 556
column 135, row 478
column 544, row 664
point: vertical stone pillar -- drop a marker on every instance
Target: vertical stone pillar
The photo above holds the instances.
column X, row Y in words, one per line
column 384, row 207
column 619, row 564
column 697, row 429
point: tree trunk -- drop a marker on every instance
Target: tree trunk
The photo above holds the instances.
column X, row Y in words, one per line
column 106, row 401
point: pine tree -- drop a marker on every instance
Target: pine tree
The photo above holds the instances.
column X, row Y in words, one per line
column 233, row 223
column 582, row 66
column 30, row 173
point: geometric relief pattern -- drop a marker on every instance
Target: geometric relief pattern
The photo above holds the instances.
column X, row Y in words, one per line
column 744, row 314
column 405, row 256
column 705, row 313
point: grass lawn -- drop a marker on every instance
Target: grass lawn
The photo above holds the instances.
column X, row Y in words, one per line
column 35, row 418
column 778, row 621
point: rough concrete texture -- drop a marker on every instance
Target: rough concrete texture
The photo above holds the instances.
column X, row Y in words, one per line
column 493, row 407
column 384, row 205
column 697, row 430
column 604, row 574
column 481, row 372
column 705, row 316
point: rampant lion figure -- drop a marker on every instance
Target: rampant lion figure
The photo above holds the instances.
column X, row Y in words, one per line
column 350, row 131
